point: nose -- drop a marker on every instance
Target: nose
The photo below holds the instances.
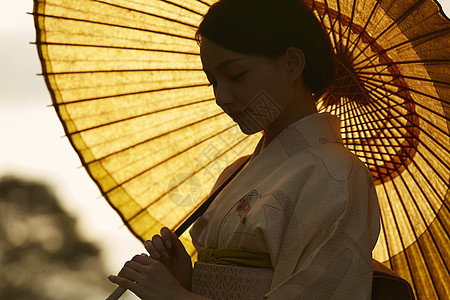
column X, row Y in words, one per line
column 223, row 95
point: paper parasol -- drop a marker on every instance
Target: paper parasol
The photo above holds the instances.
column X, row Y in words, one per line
column 127, row 83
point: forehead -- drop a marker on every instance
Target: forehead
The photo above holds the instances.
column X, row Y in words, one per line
column 212, row 54
column 209, row 47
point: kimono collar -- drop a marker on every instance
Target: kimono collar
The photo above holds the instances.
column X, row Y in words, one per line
column 310, row 131
column 316, row 129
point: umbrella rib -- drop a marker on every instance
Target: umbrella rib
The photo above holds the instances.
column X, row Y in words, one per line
column 380, row 108
column 151, row 139
column 173, row 156
column 419, row 245
column 397, row 227
column 131, row 93
column 401, row 88
column 423, row 219
column 126, row 221
column 401, row 240
column 394, row 107
column 427, row 147
column 178, row 5
column 339, row 23
column 114, row 71
column 436, row 212
column 406, row 62
column 112, row 25
column 386, row 243
column 369, row 19
column 365, row 116
column 395, row 22
column 424, row 144
column 150, row 14
column 421, row 214
column 379, row 73
column 361, row 118
column 332, row 22
column 348, row 29
column 113, row 47
column 345, row 107
column 375, row 104
column 200, row 202
column 381, row 140
column 424, row 222
column 138, row 116
column 421, row 38
column 321, row 16
column 403, row 76
column 392, row 127
column 390, row 120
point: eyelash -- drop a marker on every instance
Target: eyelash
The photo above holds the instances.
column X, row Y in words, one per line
column 232, row 78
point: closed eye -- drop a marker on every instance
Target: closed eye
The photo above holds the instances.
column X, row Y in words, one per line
column 234, row 78
column 237, row 76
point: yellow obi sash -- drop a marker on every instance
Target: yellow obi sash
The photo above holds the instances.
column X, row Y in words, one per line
column 235, row 257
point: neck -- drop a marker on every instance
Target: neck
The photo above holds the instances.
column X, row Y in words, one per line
column 299, row 108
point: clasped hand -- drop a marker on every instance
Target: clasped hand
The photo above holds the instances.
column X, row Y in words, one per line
column 166, row 274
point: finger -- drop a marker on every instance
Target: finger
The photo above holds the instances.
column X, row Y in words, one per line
column 121, row 281
column 166, row 233
column 142, row 259
column 160, row 247
column 129, row 274
column 154, row 253
column 138, row 263
column 180, row 250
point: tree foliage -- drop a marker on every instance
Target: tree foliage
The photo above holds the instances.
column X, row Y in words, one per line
column 42, row 256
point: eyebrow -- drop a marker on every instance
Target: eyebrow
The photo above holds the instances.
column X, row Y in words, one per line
column 225, row 63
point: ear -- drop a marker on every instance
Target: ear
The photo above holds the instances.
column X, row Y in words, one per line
column 296, row 62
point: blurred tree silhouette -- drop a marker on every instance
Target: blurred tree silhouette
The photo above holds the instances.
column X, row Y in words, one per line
column 41, row 254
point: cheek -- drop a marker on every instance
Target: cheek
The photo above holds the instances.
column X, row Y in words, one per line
column 269, row 81
column 260, row 82
column 276, row 89
column 281, row 90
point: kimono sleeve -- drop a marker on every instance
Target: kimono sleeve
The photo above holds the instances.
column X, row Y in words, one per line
column 327, row 253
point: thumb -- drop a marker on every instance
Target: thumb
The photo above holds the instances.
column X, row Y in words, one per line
column 178, row 246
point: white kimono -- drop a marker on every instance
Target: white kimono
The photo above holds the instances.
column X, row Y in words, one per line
column 307, row 201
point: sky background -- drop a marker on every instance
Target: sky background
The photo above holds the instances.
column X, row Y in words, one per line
column 33, row 146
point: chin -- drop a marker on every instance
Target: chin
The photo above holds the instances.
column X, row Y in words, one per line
column 248, row 130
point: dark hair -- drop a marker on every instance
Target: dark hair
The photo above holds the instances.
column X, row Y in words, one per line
column 269, row 27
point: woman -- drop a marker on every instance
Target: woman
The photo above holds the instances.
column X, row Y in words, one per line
column 301, row 218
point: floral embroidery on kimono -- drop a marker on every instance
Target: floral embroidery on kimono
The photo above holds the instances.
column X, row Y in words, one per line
column 245, row 204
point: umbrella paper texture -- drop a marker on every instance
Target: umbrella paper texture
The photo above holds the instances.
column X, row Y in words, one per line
column 127, row 83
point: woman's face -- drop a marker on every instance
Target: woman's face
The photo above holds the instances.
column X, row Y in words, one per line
column 253, row 90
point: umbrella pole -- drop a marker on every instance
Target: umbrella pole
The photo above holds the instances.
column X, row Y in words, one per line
column 118, row 292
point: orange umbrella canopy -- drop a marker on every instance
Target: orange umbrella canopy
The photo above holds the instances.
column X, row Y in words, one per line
column 127, row 83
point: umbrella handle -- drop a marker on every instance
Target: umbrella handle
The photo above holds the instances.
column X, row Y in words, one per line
column 117, row 293
column 179, row 231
